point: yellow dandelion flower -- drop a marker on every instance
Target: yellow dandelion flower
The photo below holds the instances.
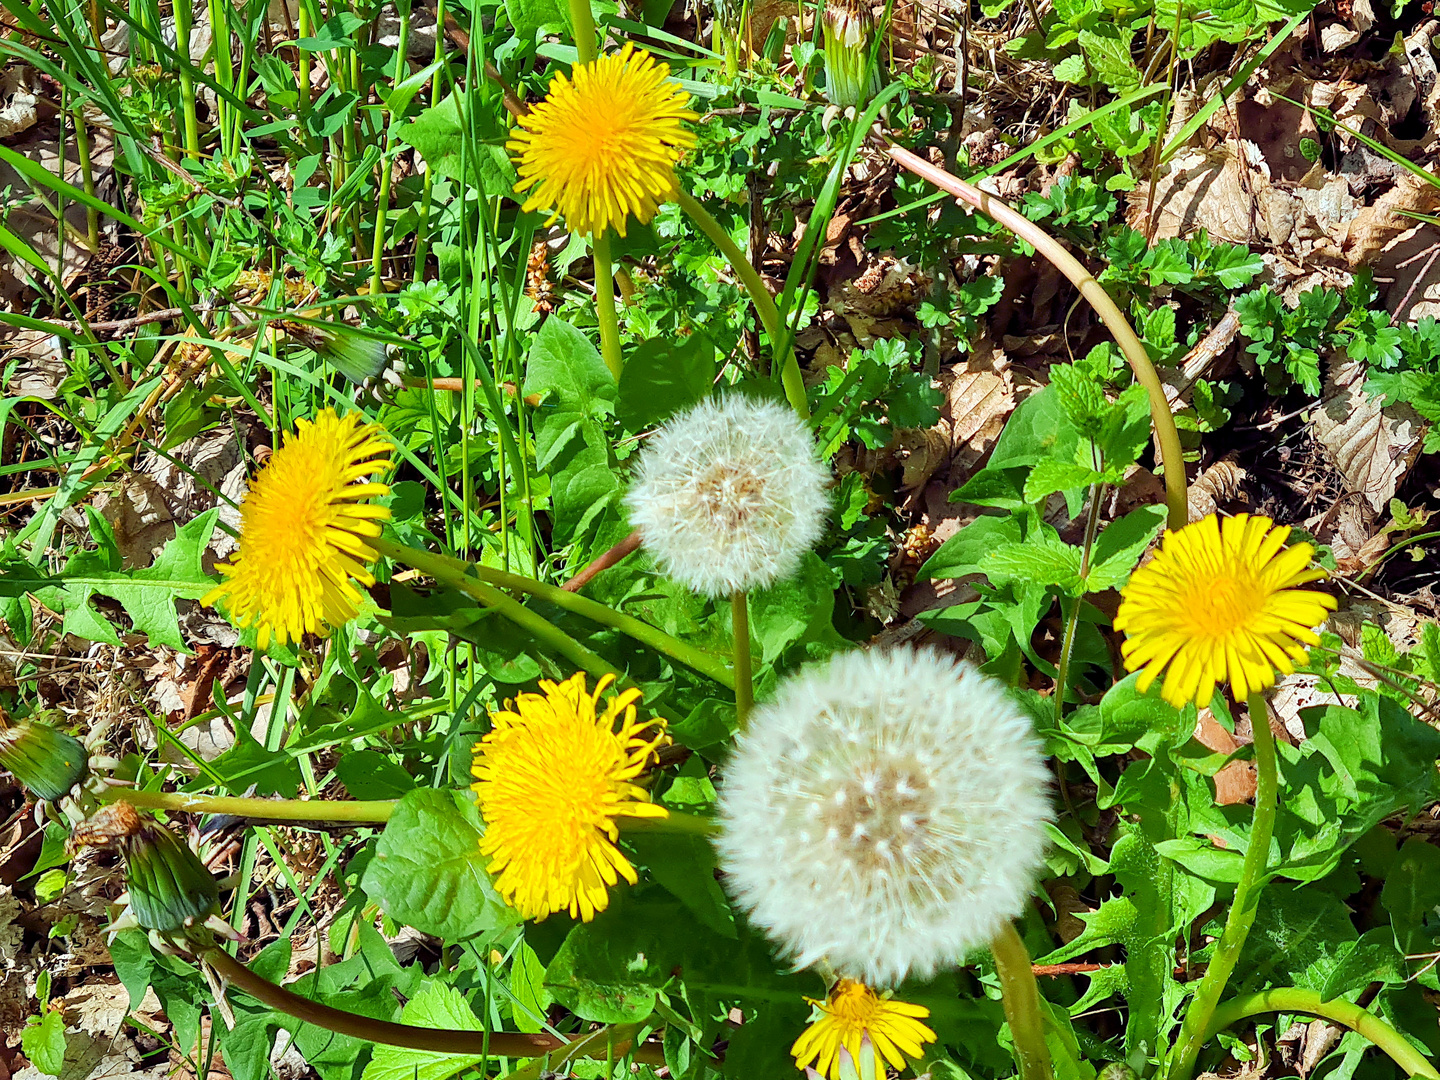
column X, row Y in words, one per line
column 1219, row 603
column 303, row 527
column 603, row 145
column 851, row 1012
column 552, row 776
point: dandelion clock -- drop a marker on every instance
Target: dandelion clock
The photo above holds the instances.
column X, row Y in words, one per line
column 885, row 813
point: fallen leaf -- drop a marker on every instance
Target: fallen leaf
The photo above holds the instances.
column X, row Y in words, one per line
column 1372, row 447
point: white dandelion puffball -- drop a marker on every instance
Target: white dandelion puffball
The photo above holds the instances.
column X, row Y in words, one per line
column 729, row 496
column 885, row 812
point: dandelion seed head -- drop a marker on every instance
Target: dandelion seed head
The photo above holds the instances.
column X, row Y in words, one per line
column 885, row 812
column 728, row 496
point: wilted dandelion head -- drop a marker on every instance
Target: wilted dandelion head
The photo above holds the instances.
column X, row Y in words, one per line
column 604, row 143
column 552, row 775
column 871, row 1030
column 303, row 531
column 1219, row 603
column 885, row 812
column 729, row 496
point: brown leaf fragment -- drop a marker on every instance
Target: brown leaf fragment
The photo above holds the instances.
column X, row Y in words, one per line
column 1372, row 447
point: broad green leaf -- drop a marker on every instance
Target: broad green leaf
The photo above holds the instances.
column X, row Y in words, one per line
column 1373, row 958
column 962, row 553
column 1041, row 559
column 1412, row 894
column 663, row 377
column 44, row 1043
column 428, row 871
column 435, row 1006
column 1120, row 546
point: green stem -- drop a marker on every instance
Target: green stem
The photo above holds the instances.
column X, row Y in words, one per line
column 486, row 1043
column 382, row 202
column 582, row 22
column 1293, row 999
column 1020, row 995
column 605, row 313
column 1164, row 421
column 426, row 562
column 744, row 670
column 372, row 812
column 1198, row 1017
column 302, row 101
column 759, row 296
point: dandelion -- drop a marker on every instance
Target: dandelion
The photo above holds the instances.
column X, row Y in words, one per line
column 886, row 813
column 729, row 496
column 855, row 1020
column 1219, row 603
column 604, row 145
column 552, row 777
column 303, row 530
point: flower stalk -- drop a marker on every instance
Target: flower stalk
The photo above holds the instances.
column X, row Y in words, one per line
column 1199, row 1017
column 489, row 1043
column 1171, row 456
column 346, row 812
column 759, row 296
column 1295, row 1000
column 744, row 670
column 605, row 313
column 1020, row 995
column 437, row 565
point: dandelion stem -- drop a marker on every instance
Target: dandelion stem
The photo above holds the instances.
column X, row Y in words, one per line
column 1020, row 995
column 1198, row 1018
column 372, row 812
column 1105, row 307
column 444, row 568
column 489, row 1043
column 356, row 812
column 582, row 23
column 605, row 313
column 759, row 296
column 744, row 671
column 1294, row 999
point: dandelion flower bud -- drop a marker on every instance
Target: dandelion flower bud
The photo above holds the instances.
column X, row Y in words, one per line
column 47, row 761
column 886, row 813
column 849, row 80
column 729, row 496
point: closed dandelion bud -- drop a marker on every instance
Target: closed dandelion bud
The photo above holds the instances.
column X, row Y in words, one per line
column 43, row 758
column 170, row 890
column 849, row 79
column 729, row 496
column 885, row 812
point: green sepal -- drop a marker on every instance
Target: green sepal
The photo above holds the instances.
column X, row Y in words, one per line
column 43, row 758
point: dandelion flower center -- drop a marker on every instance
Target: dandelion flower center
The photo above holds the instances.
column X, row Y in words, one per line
column 847, row 1016
column 303, row 530
column 603, row 144
column 552, row 777
column 1218, row 604
column 884, row 812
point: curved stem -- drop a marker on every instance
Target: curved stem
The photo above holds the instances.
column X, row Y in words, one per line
column 744, row 669
column 443, row 567
column 1105, row 307
column 759, row 295
column 438, row 1041
column 1020, row 995
column 1196, row 1026
column 1294, row 999
column 605, row 313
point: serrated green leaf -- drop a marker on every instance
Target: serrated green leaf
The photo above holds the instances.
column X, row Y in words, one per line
column 428, row 871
